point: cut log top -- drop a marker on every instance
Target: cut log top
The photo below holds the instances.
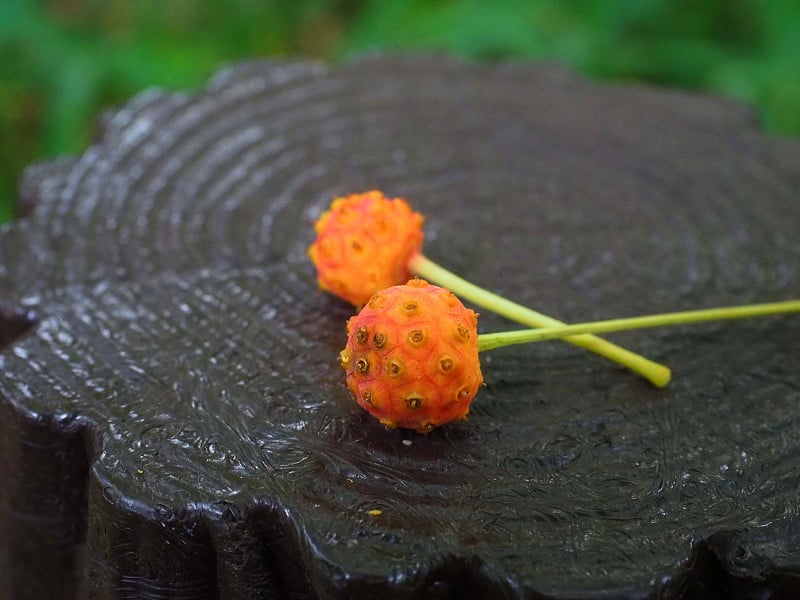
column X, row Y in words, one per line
column 169, row 394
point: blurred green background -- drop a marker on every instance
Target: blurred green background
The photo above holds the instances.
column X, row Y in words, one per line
column 63, row 61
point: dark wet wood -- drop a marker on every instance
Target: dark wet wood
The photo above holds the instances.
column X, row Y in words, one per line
column 175, row 423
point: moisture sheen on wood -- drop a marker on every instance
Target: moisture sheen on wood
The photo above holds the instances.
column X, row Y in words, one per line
column 173, row 423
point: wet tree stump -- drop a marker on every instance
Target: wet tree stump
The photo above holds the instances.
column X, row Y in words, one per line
column 173, row 423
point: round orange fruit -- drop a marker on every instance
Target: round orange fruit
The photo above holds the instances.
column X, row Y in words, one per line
column 412, row 356
column 364, row 243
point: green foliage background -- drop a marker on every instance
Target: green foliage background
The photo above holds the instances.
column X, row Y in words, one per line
column 63, row 61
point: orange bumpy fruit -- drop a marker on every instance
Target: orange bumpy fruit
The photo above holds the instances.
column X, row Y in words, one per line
column 364, row 243
column 412, row 356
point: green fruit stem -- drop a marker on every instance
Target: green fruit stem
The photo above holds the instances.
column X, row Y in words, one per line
column 490, row 341
column 656, row 373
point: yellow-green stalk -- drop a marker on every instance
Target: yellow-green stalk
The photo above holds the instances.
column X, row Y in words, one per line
column 489, row 341
column 656, row 373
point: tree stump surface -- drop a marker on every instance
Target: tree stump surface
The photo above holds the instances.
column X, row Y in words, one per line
column 173, row 423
